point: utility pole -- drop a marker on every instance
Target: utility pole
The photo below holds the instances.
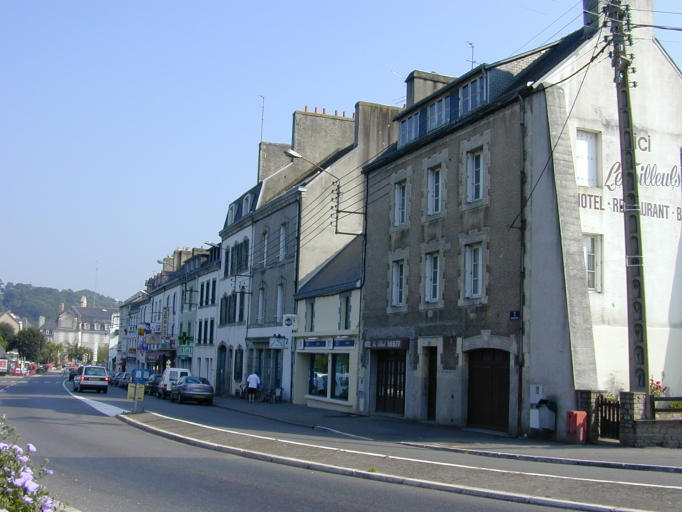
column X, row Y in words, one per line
column 619, row 16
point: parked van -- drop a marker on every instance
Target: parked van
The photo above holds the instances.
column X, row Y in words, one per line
column 169, row 378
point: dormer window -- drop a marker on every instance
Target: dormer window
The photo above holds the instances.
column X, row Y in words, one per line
column 246, row 205
column 230, row 214
column 472, row 95
column 409, row 129
column 438, row 113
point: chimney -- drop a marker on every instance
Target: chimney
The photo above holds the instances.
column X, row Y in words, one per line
column 641, row 13
column 420, row 84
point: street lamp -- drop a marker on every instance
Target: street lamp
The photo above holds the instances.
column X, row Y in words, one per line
column 294, row 154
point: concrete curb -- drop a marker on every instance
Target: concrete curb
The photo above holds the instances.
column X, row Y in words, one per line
column 552, row 460
column 316, row 466
column 483, row 453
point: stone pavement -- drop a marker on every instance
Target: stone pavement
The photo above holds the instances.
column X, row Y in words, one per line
column 574, row 494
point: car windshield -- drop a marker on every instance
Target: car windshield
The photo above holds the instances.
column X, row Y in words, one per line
column 195, row 380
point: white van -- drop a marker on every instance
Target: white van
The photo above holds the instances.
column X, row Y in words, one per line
column 169, row 378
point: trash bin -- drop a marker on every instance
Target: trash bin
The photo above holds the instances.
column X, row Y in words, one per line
column 576, row 427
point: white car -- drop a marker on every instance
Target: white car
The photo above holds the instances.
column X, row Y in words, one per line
column 91, row 377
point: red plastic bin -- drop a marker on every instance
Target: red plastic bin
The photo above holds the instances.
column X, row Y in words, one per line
column 576, row 427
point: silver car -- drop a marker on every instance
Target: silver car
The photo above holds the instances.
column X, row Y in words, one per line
column 91, row 377
column 192, row 388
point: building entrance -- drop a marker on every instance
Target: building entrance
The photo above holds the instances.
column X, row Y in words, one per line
column 489, row 389
column 431, row 382
column 390, row 390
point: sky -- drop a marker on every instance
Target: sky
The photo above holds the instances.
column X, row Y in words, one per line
column 128, row 127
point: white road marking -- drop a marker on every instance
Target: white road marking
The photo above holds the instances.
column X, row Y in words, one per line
column 445, row 464
column 106, row 409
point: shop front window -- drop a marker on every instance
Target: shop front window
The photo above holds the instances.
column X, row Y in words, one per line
column 319, row 367
column 340, row 366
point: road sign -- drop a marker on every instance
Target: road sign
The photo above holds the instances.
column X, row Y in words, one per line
column 136, row 392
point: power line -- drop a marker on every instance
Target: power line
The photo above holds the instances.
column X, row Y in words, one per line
column 563, row 127
column 548, row 26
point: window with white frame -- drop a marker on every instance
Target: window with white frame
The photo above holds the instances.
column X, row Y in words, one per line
column 438, row 113
column 474, row 176
column 246, row 204
column 473, row 270
column 593, row 261
column 409, row 128
column 282, row 242
column 472, row 95
column 400, row 203
column 230, row 214
column 261, row 305
column 586, row 159
column 432, row 277
column 265, row 248
column 310, row 315
column 398, row 283
column 434, row 187
column 242, row 305
column 345, row 316
column 280, row 302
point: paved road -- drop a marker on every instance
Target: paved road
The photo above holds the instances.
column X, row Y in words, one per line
column 416, row 454
column 589, row 477
column 101, row 464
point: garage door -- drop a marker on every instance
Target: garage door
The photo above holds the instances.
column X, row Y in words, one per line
column 489, row 389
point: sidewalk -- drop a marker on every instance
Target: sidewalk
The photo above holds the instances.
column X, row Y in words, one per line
column 574, row 494
column 399, row 430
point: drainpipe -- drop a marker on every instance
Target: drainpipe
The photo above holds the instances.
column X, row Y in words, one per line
column 298, row 248
column 366, row 373
column 522, row 233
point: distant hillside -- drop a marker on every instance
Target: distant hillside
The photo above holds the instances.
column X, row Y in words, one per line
column 31, row 301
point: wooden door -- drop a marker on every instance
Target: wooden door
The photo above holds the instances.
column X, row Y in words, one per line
column 489, row 389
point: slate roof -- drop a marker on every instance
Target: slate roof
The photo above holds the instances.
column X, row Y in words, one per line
column 238, row 203
column 94, row 314
column 550, row 56
column 342, row 273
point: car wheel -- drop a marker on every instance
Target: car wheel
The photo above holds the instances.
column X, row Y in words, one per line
column 209, row 401
column 180, row 398
column 105, row 390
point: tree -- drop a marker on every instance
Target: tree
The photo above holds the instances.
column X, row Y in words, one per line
column 29, row 342
column 6, row 335
column 76, row 353
column 50, row 353
column 103, row 355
